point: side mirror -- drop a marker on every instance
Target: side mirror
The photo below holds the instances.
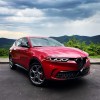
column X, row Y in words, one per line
column 23, row 44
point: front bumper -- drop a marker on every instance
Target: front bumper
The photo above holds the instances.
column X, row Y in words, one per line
column 64, row 71
column 63, row 75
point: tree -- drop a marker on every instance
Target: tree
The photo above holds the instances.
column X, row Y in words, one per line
column 92, row 48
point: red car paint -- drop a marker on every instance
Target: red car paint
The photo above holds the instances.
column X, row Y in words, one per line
column 23, row 56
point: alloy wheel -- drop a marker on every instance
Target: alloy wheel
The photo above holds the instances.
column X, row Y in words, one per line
column 36, row 74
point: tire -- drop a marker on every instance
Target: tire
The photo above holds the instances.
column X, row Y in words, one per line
column 36, row 75
column 11, row 63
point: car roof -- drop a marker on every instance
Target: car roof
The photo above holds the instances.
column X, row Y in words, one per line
column 34, row 37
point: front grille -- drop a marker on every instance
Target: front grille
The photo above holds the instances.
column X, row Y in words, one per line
column 80, row 62
column 72, row 74
column 67, row 75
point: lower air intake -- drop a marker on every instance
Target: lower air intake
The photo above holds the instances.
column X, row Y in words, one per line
column 72, row 74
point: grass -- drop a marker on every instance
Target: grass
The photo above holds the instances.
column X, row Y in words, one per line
column 3, row 56
column 95, row 56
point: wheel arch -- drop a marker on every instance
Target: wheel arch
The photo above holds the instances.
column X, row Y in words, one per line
column 34, row 60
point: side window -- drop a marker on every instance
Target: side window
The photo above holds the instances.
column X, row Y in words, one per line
column 24, row 40
column 18, row 42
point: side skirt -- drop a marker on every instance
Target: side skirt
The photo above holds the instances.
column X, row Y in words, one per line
column 21, row 67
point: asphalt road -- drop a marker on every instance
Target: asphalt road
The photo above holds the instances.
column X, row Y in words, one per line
column 15, row 85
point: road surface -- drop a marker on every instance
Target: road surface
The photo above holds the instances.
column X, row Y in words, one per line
column 15, row 85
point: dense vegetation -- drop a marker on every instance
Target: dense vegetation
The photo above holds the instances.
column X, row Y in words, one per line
column 4, row 52
column 92, row 48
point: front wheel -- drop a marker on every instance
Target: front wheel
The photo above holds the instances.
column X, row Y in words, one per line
column 36, row 74
column 11, row 63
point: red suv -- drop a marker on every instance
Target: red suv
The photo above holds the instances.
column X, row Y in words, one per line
column 46, row 58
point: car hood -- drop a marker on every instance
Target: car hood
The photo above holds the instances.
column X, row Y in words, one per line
column 62, row 52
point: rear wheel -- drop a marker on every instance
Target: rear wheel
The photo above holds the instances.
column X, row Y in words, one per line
column 11, row 63
column 36, row 74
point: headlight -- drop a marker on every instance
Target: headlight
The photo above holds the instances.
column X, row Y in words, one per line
column 55, row 59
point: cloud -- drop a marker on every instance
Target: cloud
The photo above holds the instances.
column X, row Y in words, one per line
column 81, row 27
column 41, row 4
column 3, row 3
column 7, row 12
column 30, row 12
column 11, row 34
column 72, row 14
column 34, row 12
column 71, row 9
column 21, row 15
column 50, row 17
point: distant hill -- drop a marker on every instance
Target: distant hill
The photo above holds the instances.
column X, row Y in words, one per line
column 6, row 43
column 87, row 39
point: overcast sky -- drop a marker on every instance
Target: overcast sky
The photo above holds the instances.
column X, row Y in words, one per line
column 49, row 17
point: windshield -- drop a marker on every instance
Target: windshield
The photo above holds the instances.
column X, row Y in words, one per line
column 44, row 42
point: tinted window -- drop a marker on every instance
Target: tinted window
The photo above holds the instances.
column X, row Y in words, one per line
column 25, row 40
column 18, row 42
column 45, row 42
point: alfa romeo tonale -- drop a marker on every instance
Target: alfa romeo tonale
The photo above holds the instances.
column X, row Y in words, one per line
column 47, row 59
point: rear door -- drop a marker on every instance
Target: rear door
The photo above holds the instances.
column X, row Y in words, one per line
column 15, row 51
